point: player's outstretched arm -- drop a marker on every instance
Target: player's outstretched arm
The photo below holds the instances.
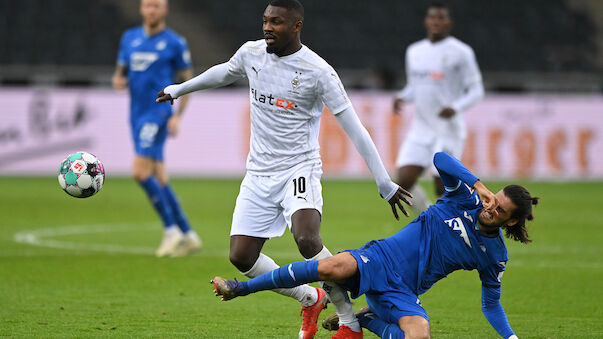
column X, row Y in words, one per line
column 217, row 76
column 494, row 312
column 394, row 194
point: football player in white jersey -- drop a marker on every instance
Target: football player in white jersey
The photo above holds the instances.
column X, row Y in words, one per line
column 443, row 81
column 289, row 86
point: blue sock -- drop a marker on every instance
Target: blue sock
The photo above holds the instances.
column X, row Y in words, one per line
column 176, row 209
column 381, row 328
column 290, row 275
column 155, row 194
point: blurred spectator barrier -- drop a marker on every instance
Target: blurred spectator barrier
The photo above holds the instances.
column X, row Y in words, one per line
column 536, row 136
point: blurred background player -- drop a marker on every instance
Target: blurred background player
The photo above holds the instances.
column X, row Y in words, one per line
column 443, row 81
column 151, row 57
column 290, row 85
column 463, row 230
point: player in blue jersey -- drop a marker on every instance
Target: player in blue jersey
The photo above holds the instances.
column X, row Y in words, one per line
column 151, row 57
column 463, row 230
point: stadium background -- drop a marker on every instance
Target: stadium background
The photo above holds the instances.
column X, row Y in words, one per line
column 69, row 266
column 541, row 64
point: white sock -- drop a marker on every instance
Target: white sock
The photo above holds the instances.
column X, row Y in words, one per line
column 305, row 294
column 172, row 230
column 339, row 297
column 192, row 235
column 420, row 202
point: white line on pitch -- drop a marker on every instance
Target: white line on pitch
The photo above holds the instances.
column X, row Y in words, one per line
column 38, row 238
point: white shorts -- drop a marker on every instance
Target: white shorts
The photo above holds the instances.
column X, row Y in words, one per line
column 265, row 204
column 420, row 152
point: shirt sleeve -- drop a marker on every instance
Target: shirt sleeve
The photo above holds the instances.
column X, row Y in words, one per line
column 452, row 172
column 472, row 83
column 236, row 64
column 494, row 312
column 122, row 57
column 182, row 59
column 331, row 91
column 216, row 76
column 469, row 69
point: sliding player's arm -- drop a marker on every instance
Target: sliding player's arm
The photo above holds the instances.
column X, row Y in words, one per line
column 491, row 307
column 454, row 173
column 494, row 312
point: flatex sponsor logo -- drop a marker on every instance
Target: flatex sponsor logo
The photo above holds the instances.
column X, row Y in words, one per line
column 271, row 100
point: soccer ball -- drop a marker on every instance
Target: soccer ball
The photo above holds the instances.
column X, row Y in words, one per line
column 81, row 175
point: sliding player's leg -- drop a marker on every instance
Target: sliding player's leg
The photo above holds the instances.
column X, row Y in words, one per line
column 397, row 313
column 337, row 268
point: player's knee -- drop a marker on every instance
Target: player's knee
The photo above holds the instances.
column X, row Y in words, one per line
column 406, row 182
column 408, row 175
column 242, row 261
column 327, row 270
column 415, row 327
column 416, row 335
column 309, row 245
column 335, row 269
column 439, row 187
column 140, row 173
column 140, row 176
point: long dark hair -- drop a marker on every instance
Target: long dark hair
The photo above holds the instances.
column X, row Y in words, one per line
column 524, row 202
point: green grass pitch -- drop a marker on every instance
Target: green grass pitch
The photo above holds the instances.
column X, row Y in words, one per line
column 84, row 267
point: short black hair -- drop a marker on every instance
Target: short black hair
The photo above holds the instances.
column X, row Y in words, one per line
column 440, row 5
column 294, row 5
column 520, row 196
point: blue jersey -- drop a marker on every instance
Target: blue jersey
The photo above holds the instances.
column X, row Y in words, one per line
column 449, row 240
column 151, row 62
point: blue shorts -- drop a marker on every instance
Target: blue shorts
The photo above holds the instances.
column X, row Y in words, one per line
column 149, row 134
column 386, row 293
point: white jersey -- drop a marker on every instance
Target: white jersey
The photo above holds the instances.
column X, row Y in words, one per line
column 286, row 99
column 438, row 76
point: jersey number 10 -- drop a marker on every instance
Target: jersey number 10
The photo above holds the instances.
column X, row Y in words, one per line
column 299, row 185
